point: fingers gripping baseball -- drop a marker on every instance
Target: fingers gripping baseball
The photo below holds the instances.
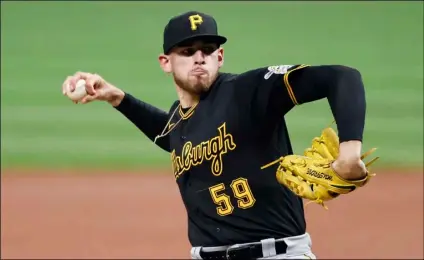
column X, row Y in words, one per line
column 84, row 87
column 93, row 82
column 70, row 85
column 89, row 98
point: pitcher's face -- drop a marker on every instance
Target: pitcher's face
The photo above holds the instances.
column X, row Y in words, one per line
column 194, row 66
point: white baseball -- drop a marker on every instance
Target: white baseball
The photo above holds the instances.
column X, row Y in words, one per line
column 79, row 92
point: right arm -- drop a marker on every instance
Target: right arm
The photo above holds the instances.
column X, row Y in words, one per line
column 147, row 118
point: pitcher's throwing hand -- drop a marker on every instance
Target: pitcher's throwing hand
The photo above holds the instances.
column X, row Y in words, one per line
column 96, row 87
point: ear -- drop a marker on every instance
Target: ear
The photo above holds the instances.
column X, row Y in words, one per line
column 165, row 63
column 220, row 57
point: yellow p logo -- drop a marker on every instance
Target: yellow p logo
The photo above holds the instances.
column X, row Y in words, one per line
column 195, row 20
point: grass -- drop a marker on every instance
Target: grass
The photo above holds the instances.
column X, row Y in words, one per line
column 43, row 42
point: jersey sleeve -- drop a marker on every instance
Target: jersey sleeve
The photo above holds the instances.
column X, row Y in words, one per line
column 148, row 119
column 270, row 91
column 281, row 76
column 275, row 90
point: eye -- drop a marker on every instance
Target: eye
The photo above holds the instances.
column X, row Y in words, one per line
column 209, row 49
column 188, row 51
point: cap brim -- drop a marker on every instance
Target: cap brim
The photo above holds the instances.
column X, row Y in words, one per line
column 210, row 38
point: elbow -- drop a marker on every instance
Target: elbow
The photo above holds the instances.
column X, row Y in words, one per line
column 346, row 75
column 344, row 72
column 345, row 79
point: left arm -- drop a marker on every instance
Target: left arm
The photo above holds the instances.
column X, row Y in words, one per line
column 275, row 90
column 344, row 89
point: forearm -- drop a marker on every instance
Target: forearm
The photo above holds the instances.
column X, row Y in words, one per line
column 346, row 96
column 149, row 119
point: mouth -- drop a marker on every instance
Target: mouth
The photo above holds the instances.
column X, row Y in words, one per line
column 198, row 72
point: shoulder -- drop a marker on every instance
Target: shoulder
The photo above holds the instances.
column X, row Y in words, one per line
column 259, row 76
column 262, row 74
column 280, row 70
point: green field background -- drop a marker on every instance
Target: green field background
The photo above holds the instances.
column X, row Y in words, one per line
column 43, row 42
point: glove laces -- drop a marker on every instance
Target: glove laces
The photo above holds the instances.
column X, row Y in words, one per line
column 279, row 160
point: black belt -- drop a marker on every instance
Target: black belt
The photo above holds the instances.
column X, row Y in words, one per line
column 244, row 252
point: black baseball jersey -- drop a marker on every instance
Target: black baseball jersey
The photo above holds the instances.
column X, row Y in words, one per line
column 217, row 150
column 218, row 147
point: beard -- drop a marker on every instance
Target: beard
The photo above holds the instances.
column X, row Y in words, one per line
column 194, row 84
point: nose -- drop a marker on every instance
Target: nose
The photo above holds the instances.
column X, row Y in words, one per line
column 199, row 57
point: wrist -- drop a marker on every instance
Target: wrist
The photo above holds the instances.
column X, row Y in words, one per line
column 116, row 97
column 350, row 150
column 349, row 164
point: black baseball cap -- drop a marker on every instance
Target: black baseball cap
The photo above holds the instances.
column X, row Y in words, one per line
column 191, row 26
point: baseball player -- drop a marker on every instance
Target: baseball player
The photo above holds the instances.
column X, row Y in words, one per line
column 225, row 127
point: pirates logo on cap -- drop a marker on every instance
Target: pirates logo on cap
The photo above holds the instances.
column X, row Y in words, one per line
column 195, row 20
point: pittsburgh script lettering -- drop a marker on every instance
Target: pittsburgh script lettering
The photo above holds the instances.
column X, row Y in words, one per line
column 210, row 150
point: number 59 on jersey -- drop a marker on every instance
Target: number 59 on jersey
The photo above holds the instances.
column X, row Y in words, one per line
column 240, row 190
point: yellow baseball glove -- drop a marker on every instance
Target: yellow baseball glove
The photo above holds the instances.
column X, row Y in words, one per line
column 311, row 176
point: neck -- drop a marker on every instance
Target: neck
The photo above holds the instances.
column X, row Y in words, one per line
column 186, row 98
